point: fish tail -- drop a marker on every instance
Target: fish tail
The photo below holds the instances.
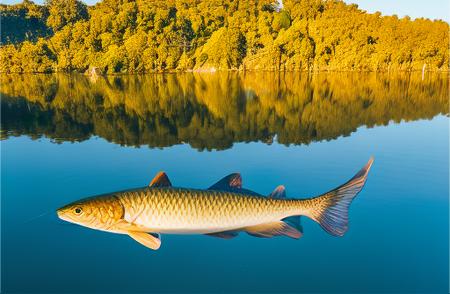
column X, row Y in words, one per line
column 330, row 210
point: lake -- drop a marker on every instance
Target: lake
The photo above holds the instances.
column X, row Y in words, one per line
column 68, row 136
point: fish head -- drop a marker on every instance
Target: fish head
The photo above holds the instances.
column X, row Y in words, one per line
column 98, row 213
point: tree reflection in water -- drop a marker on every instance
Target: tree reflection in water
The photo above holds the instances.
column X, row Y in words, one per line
column 212, row 111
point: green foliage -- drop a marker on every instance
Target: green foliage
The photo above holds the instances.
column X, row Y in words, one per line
column 29, row 57
column 281, row 20
column 120, row 36
column 64, row 12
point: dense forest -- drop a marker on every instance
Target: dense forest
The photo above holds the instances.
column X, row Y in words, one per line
column 213, row 111
column 137, row 36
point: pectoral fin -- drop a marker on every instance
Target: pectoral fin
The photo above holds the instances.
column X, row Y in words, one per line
column 269, row 230
column 146, row 239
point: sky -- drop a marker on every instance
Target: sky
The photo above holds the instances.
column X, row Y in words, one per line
column 434, row 9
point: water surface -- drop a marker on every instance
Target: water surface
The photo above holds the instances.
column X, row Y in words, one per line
column 66, row 137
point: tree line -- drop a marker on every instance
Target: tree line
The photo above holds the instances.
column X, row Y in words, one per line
column 138, row 36
column 215, row 111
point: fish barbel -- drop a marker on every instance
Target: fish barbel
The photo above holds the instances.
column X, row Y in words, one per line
column 223, row 210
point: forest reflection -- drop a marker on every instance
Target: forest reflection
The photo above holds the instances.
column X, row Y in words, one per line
column 213, row 111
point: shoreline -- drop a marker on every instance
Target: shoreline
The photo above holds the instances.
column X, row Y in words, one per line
column 221, row 71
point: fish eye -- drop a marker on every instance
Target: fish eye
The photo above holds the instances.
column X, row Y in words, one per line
column 78, row 210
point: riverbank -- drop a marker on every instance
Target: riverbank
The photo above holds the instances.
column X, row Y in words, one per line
column 98, row 73
column 166, row 37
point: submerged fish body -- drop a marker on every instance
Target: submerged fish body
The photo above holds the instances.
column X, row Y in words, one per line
column 182, row 210
column 223, row 210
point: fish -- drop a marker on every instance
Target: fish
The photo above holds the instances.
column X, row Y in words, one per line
column 223, row 210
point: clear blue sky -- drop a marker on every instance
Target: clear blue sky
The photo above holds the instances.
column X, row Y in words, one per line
column 434, row 9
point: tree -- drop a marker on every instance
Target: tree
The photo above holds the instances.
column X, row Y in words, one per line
column 64, row 12
column 166, row 35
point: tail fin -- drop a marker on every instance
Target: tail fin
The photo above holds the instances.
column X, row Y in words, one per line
column 330, row 210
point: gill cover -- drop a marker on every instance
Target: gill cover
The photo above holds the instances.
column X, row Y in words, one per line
column 101, row 213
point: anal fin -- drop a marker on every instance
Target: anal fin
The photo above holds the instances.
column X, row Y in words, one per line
column 269, row 230
column 294, row 221
column 146, row 239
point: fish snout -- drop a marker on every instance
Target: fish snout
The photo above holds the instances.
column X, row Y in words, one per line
column 61, row 213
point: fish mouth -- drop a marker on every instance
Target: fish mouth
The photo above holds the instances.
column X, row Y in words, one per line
column 64, row 212
column 62, row 216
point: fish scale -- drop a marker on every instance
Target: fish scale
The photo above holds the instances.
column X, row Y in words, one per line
column 171, row 209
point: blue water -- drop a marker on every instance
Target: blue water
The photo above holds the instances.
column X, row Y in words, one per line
column 310, row 134
column 397, row 241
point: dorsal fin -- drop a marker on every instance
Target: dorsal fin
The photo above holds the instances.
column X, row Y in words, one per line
column 279, row 192
column 160, row 180
column 232, row 181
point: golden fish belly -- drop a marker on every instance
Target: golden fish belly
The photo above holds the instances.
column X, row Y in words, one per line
column 188, row 211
